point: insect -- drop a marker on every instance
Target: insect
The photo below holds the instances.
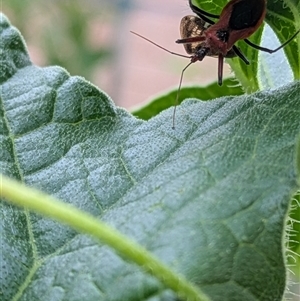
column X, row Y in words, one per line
column 238, row 20
column 202, row 37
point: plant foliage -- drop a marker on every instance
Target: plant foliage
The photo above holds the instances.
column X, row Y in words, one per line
column 209, row 199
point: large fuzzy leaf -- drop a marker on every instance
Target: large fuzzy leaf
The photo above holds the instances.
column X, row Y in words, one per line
column 209, row 199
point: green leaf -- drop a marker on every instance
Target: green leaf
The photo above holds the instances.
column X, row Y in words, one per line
column 48, row 206
column 247, row 74
column 284, row 19
column 268, row 65
column 167, row 100
column 208, row 199
column 293, row 234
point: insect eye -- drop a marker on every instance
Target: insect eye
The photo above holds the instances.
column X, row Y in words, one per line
column 223, row 35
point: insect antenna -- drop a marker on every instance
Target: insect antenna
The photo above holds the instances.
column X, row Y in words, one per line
column 163, row 48
column 182, row 72
column 177, row 94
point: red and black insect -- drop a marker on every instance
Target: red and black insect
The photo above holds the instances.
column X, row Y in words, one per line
column 202, row 37
column 238, row 20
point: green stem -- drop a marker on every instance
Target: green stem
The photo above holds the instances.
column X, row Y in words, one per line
column 37, row 201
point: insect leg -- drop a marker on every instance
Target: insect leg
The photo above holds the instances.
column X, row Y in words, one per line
column 190, row 40
column 271, row 50
column 220, row 69
column 202, row 13
column 240, row 54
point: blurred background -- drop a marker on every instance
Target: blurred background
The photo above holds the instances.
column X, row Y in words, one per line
column 92, row 39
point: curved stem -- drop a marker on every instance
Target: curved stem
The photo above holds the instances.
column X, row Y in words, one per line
column 37, row 201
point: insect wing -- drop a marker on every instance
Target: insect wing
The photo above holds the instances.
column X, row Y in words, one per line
column 192, row 26
column 246, row 14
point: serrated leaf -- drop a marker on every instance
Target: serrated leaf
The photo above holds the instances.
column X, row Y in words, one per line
column 293, row 234
column 160, row 103
column 209, row 199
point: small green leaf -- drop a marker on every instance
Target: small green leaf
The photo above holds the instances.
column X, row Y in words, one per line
column 160, row 103
column 247, row 74
column 284, row 19
column 268, row 65
column 208, row 199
